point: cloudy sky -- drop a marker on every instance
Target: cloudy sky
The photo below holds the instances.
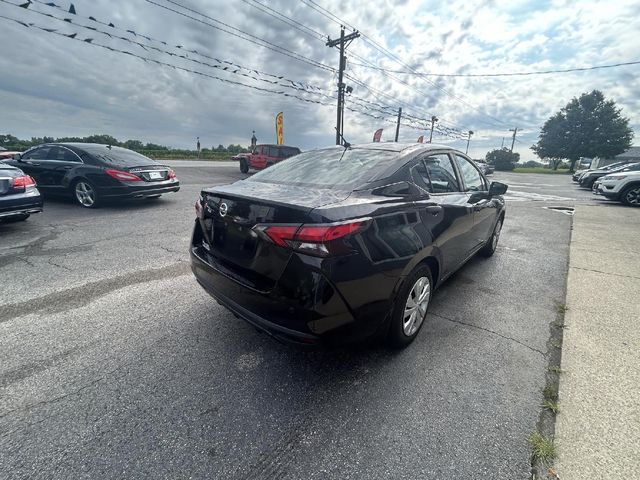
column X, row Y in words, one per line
column 58, row 85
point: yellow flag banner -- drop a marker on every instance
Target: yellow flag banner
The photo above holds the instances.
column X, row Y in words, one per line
column 280, row 128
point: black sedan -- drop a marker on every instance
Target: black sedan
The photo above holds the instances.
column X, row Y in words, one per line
column 342, row 244
column 92, row 173
column 19, row 196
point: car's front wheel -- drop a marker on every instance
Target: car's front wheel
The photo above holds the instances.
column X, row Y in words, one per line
column 85, row 194
column 491, row 245
column 410, row 310
column 631, row 196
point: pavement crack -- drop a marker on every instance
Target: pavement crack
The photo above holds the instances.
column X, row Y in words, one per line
column 605, row 273
column 533, row 349
column 69, row 299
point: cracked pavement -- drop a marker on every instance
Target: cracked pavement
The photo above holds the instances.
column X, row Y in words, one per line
column 115, row 364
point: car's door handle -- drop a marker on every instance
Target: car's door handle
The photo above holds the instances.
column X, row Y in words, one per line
column 67, row 167
column 33, row 163
column 433, row 210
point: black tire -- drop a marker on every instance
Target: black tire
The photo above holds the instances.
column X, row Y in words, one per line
column 631, row 196
column 89, row 189
column 16, row 218
column 244, row 167
column 490, row 248
column 398, row 337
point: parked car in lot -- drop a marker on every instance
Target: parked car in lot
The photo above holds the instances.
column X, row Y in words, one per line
column 589, row 178
column 580, row 174
column 19, row 196
column 622, row 186
column 92, row 173
column 339, row 244
column 264, row 156
column 7, row 154
column 485, row 167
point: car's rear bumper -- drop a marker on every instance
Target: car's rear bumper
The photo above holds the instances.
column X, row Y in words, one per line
column 20, row 203
column 258, row 308
column 139, row 189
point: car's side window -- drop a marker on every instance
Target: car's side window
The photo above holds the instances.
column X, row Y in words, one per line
column 37, row 154
column 56, row 153
column 439, row 174
column 473, row 180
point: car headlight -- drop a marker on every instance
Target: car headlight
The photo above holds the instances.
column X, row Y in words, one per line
column 614, row 179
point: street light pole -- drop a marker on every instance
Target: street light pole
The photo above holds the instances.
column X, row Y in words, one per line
column 468, row 140
column 434, row 119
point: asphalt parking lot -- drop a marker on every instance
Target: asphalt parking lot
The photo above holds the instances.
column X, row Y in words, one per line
column 114, row 363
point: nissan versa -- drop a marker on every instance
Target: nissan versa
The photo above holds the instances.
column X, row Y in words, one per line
column 341, row 244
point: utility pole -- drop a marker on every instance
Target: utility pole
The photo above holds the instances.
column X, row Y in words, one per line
column 502, row 146
column 343, row 42
column 468, row 140
column 513, row 139
column 398, row 124
column 434, row 119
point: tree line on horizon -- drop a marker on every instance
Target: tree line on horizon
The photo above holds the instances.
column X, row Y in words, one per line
column 11, row 142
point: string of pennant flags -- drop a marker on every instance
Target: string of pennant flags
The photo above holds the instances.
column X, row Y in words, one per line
column 411, row 121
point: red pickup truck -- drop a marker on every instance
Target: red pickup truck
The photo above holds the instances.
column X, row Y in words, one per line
column 264, row 156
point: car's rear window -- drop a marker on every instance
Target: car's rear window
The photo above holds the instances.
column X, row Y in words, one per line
column 328, row 168
column 117, row 156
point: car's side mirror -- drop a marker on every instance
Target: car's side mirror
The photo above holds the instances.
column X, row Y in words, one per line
column 16, row 156
column 497, row 188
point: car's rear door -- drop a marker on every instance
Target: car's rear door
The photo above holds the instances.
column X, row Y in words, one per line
column 453, row 233
column 60, row 160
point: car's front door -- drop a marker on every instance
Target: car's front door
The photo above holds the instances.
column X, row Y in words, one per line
column 453, row 234
column 33, row 163
column 476, row 187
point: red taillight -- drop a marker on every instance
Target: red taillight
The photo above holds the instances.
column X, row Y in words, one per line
column 23, row 182
column 122, row 176
column 280, row 234
column 314, row 239
column 326, row 233
column 171, row 174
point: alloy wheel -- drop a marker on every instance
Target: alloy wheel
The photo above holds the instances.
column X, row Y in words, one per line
column 415, row 309
column 633, row 196
column 85, row 194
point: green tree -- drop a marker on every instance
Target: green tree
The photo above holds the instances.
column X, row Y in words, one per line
column 589, row 126
column 502, row 159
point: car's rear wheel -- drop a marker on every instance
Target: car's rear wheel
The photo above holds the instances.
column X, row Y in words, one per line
column 490, row 248
column 244, row 166
column 410, row 310
column 85, row 194
column 631, row 196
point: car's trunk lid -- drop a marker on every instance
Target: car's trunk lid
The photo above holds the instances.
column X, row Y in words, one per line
column 230, row 213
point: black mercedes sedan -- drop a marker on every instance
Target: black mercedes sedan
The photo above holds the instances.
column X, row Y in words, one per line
column 93, row 173
column 19, row 196
column 337, row 245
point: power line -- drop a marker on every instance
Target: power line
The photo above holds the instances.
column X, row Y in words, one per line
column 92, row 42
column 253, row 39
column 511, row 74
column 283, row 18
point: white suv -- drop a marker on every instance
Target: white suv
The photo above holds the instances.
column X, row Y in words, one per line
column 622, row 186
